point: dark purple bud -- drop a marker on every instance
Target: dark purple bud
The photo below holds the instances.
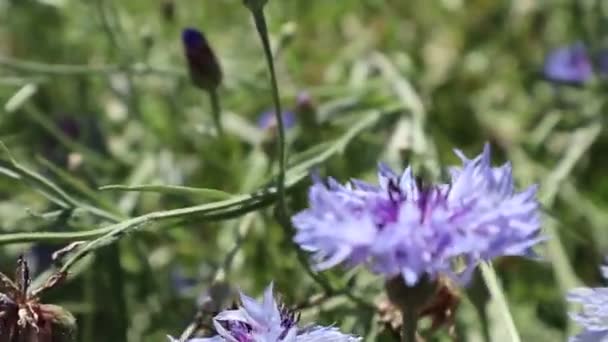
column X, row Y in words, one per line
column 306, row 110
column 569, row 65
column 204, row 68
column 304, row 100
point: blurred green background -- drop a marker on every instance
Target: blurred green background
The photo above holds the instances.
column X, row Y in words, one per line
column 96, row 92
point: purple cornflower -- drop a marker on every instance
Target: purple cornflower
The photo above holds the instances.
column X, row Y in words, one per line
column 204, row 67
column 569, row 64
column 594, row 313
column 266, row 321
column 401, row 227
column 268, row 121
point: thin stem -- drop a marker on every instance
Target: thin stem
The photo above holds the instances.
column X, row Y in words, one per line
column 491, row 280
column 260, row 24
column 83, row 69
column 410, row 324
column 216, row 111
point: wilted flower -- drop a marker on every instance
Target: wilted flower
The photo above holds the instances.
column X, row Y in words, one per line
column 594, row 314
column 266, row 321
column 569, row 64
column 204, row 68
column 401, row 227
column 268, row 120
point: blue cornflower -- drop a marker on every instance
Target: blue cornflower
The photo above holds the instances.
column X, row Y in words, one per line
column 569, row 64
column 204, row 67
column 268, row 121
column 266, row 321
column 400, row 227
column 594, row 313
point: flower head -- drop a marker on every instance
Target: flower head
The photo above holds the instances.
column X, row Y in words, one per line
column 204, row 68
column 266, row 321
column 594, row 313
column 569, row 64
column 402, row 227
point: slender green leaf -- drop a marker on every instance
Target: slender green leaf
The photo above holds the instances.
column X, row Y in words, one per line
column 202, row 193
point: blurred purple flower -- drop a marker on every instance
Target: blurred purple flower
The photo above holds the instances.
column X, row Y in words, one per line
column 204, row 67
column 569, row 64
column 266, row 321
column 304, row 101
column 401, row 227
column 593, row 316
column 267, row 120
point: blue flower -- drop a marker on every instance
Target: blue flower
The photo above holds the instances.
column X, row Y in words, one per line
column 569, row 64
column 204, row 68
column 268, row 121
column 266, row 321
column 593, row 316
column 400, row 227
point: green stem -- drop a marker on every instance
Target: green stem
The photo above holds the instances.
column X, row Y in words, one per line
column 491, row 280
column 216, row 111
column 213, row 211
column 410, row 324
column 86, row 70
column 260, row 24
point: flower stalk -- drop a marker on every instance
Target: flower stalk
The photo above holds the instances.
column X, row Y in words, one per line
column 410, row 299
column 262, row 28
column 410, row 324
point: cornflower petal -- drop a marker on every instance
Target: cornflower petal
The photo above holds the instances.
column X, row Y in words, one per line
column 593, row 316
column 266, row 321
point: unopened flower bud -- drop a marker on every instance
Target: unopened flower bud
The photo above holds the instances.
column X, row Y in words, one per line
column 204, row 67
column 306, row 110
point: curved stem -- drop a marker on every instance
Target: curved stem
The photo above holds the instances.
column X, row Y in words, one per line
column 491, row 280
column 260, row 24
